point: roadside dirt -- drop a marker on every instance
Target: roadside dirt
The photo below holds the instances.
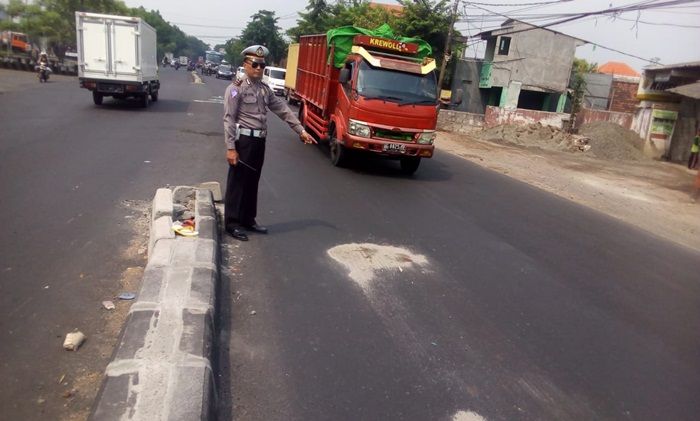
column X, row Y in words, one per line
column 79, row 388
column 651, row 195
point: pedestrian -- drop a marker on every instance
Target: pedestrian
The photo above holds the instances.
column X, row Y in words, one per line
column 696, row 193
column 694, row 149
column 246, row 102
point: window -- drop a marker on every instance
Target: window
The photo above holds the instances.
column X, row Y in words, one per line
column 503, row 46
column 348, row 85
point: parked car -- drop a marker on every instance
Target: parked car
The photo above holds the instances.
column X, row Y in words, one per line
column 224, row 72
column 240, row 72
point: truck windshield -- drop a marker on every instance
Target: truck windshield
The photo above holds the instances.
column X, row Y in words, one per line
column 391, row 85
column 277, row 74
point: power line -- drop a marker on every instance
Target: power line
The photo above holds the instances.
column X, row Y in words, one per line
column 542, row 3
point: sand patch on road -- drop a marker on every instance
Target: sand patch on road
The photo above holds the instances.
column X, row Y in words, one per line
column 364, row 260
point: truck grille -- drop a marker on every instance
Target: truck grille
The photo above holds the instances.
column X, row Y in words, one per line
column 393, row 135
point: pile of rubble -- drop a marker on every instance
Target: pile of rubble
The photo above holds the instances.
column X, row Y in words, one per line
column 602, row 140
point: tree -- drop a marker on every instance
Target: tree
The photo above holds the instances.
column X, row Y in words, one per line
column 427, row 20
column 263, row 29
column 321, row 17
column 314, row 21
column 581, row 66
column 361, row 14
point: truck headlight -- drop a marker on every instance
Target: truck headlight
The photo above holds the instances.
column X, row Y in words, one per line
column 358, row 129
column 427, row 137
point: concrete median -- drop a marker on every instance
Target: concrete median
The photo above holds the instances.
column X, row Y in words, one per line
column 161, row 368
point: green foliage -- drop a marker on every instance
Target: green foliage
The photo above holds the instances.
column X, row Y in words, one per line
column 171, row 39
column 314, row 21
column 581, row 66
column 425, row 19
column 262, row 29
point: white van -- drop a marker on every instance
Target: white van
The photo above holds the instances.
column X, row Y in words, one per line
column 274, row 78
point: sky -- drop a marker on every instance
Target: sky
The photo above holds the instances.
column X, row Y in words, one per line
column 215, row 21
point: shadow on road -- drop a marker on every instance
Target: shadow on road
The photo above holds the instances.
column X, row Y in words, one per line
column 370, row 164
column 162, row 106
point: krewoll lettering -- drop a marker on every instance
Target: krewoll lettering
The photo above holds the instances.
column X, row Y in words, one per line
column 387, row 44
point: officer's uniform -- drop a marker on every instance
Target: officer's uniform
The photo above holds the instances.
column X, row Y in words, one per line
column 246, row 102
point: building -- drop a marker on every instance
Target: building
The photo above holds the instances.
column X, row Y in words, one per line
column 524, row 66
column 612, row 88
column 669, row 111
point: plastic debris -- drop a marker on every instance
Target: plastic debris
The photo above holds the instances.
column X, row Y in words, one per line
column 253, row 313
column 126, row 296
column 108, row 305
column 185, row 228
column 74, row 340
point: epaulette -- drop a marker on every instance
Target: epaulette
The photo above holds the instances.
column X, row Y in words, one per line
column 238, row 81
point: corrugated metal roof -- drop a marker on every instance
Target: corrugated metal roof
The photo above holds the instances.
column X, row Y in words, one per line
column 691, row 90
column 673, row 66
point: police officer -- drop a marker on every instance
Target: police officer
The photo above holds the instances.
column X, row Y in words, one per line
column 246, row 102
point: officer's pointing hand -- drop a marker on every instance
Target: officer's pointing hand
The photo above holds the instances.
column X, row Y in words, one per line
column 307, row 138
column 232, row 156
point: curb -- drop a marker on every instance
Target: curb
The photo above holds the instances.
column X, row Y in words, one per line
column 161, row 367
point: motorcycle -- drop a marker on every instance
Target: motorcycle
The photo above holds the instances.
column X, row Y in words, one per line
column 177, row 65
column 43, row 72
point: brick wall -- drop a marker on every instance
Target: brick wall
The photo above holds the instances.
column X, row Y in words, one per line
column 495, row 116
column 623, row 96
column 621, row 119
column 459, row 122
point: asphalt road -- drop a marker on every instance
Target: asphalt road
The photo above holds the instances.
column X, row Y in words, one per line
column 74, row 181
column 506, row 303
column 499, row 300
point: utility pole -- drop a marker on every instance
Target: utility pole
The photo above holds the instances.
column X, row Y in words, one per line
column 448, row 52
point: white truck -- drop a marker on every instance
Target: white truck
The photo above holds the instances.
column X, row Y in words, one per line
column 117, row 57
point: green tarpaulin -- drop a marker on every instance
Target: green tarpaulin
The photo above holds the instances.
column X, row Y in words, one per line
column 342, row 38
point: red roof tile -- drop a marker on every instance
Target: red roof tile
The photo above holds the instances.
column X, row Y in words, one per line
column 617, row 68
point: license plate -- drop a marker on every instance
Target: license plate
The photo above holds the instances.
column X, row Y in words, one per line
column 104, row 87
column 394, row 147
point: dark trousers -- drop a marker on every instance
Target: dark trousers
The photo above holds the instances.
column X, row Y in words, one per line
column 693, row 161
column 242, row 183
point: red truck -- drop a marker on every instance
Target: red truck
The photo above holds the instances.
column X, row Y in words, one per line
column 380, row 97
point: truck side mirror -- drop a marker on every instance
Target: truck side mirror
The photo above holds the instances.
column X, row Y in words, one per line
column 344, row 75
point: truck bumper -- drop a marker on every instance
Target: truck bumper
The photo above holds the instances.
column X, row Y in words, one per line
column 388, row 148
column 111, row 87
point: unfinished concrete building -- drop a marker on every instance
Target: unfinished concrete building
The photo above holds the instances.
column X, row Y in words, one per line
column 524, row 66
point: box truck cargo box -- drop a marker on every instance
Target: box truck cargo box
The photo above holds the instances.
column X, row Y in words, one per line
column 117, row 57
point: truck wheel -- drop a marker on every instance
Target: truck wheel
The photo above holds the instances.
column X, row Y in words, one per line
column 97, row 98
column 339, row 155
column 145, row 100
column 154, row 96
column 409, row 165
column 301, row 116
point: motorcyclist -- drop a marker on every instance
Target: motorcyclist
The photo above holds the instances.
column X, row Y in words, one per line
column 43, row 66
column 43, row 59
